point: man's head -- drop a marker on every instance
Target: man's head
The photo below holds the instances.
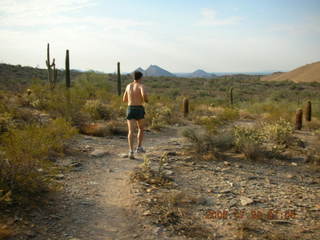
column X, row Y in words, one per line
column 137, row 75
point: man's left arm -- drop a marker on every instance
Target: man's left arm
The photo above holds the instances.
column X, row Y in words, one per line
column 125, row 96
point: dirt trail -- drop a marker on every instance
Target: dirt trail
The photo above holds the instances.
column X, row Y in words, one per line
column 97, row 203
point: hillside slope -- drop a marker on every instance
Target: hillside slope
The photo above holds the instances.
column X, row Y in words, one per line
column 306, row 73
column 156, row 71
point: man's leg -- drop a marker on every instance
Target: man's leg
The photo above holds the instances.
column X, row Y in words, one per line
column 130, row 133
column 140, row 132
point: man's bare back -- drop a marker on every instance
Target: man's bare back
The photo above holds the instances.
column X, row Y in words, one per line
column 135, row 94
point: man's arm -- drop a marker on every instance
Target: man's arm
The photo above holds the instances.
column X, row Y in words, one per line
column 125, row 96
column 144, row 94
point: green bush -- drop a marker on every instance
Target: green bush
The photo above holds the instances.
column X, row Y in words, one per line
column 24, row 164
column 249, row 141
column 279, row 132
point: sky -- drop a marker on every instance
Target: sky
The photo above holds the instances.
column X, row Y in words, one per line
column 177, row 35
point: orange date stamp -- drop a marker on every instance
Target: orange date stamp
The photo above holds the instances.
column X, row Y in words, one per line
column 270, row 214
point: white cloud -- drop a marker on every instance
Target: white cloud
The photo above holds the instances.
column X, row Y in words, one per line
column 209, row 17
column 39, row 13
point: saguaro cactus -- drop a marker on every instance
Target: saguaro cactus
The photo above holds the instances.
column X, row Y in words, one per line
column 308, row 111
column 119, row 79
column 55, row 75
column 185, row 107
column 68, row 79
column 50, row 66
column 231, row 96
column 299, row 115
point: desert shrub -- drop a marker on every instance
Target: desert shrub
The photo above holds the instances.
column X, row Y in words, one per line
column 96, row 109
column 160, row 113
column 313, row 158
column 273, row 136
column 211, row 124
column 249, row 142
column 5, row 121
column 278, row 132
column 24, row 115
column 218, row 116
column 208, row 144
column 273, row 111
column 24, row 166
column 229, row 114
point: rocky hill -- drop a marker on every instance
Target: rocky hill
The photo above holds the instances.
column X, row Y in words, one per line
column 306, row 73
column 201, row 74
column 155, row 71
column 10, row 75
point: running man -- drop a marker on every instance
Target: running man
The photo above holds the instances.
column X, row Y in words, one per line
column 135, row 94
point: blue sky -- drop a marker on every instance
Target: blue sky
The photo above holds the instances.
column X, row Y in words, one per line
column 180, row 36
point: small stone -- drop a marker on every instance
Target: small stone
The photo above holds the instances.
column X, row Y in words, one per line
column 146, row 213
column 294, row 164
column 168, row 172
column 59, row 176
column 225, row 191
column 245, row 200
column 233, row 202
column 123, row 155
column 290, row 176
column 149, row 190
column 226, row 163
column 157, row 230
column 172, row 153
column 75, row 164
column 98, row 153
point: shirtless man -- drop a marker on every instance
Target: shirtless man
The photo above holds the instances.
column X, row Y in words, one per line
column 135, row 94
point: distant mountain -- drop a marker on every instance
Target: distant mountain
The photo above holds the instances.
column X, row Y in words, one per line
column 196, row 74
column 306, row 73
column 201, row 74
column 156, row 71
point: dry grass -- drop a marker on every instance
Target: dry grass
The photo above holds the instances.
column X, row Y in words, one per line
column 103, row 129
column 312, row 125
column 173, row 211
column 5, row 232
column 208, row 146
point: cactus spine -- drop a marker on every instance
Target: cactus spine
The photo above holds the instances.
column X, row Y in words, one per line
column 299, row 115
column 68, row 79
column 231, row 96
column 50, row 65
column 119, row 79
column 185, row 107
column 308, row 111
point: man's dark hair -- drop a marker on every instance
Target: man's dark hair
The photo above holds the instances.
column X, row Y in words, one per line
column 137, row 75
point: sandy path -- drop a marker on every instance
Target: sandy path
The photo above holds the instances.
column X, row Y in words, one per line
column 98, row 203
